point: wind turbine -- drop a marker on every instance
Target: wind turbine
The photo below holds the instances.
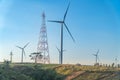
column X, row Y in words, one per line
column 23, row 51
column 59, row 53
column 11, row 54
column 116, row 61
column 62, row 22
column 96, row 57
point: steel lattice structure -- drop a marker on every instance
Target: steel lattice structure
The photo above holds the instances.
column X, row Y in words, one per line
column 43, row 43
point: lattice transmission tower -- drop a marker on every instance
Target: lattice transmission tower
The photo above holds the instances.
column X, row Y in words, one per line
column 43, row 43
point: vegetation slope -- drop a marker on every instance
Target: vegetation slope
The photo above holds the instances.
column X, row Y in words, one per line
column 57, row 72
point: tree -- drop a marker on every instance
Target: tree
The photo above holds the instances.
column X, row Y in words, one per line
column 36, row 56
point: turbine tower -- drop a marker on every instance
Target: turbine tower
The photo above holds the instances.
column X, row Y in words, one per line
column 96, row 57
column 62, row 22
column 23, row 51
column 43, row 47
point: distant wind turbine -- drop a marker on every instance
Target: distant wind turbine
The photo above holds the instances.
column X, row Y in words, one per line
column 116, row 61
column 62, row 22
column 59, row 53
column 11, row 54
column 23, row 51
column 96, row 56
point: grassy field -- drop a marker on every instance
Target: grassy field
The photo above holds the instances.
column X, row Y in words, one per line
column 74, row 72
column 30, row 71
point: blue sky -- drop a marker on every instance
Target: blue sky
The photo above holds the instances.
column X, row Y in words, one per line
column 95, row 24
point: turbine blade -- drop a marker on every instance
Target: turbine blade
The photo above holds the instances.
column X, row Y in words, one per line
column 58, row 49
column 97, row 52
column 26, row 45
column 69, row 33
column 94, row 54
column 18, row 47
column 66, row 12
column 55, row 21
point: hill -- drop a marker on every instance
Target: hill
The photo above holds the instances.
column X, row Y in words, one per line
column 57, row 72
